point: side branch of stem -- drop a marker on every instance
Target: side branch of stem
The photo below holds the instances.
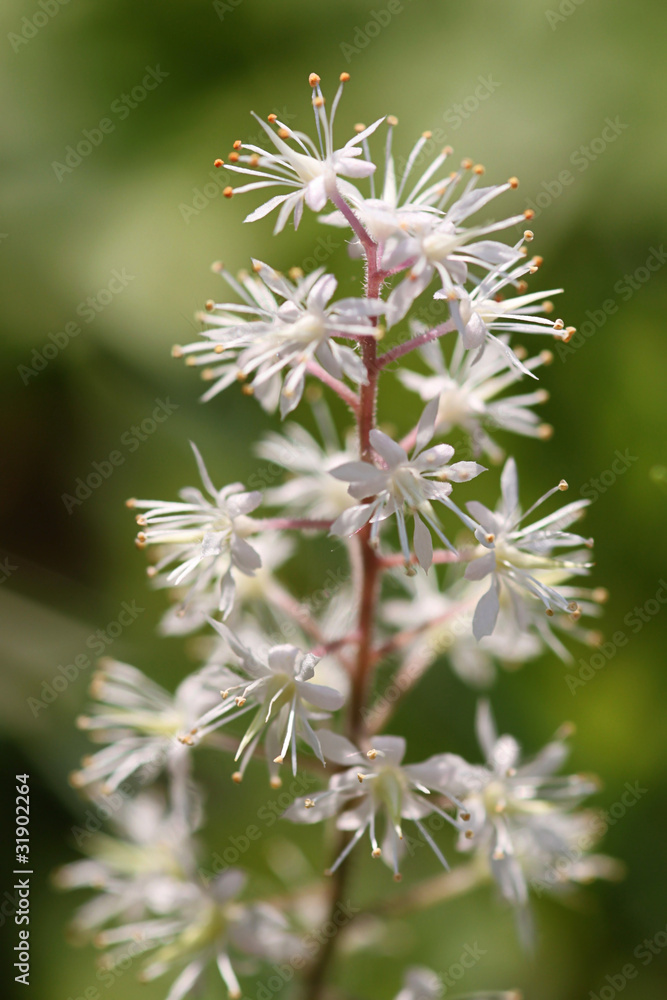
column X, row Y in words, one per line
column 410, row 345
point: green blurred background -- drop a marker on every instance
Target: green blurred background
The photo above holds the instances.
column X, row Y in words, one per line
column 553, row 76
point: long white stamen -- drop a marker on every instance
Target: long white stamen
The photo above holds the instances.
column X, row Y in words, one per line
column 228, row 976
column 346, row 850
column 432, row 844
column 288, row 733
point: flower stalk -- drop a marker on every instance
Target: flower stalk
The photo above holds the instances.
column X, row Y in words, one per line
column 288, row 680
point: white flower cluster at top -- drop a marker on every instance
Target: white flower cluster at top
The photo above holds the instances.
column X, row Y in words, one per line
column 429, row 570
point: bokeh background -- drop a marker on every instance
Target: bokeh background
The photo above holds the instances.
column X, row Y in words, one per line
column 137, row 205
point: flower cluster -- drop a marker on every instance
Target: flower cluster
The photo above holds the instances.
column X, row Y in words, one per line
column 149, row 884
column 426, row 573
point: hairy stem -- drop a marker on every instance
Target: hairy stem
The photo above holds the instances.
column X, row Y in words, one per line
column 369, row 580
column 369, row 558
column 410, row 345
column 338, row 387
column 290, row 524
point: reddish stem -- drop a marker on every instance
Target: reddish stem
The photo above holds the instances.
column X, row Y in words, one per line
column 338, row 387
column 439, row 556
column 369, row 559
column 370, row 573
column 410, row 345
column 290, row 524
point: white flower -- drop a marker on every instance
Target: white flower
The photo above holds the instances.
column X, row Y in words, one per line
column 135, row 869
column 443, row 246
column 468, row 389
column 378, row 783
column 442, row 625
column 189, row 613
column 405, row 482
column 522, row 558
column 208, row 923
column 481, row 314
column 310, row 489
column 204, row 537
column 281, row 686
column 311, row 170
column 398, row 204
column 281, row 325
column 522, row 813
column 420, row 983
column 146, row 728
column 166, row 905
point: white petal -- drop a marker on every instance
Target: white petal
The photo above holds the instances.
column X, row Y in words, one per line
column 426, row 425
column 433, row 458
column 282, row 659
column 423, row 543
column 479, row 568
column 338, row 749
column 474, row 332
column 509, row 484
column 404, row 294
column 354, row 472
column 294, row 384
column 316, row 194
column 461, row 472
column 267, row 207
column 482, row 514
column 351, row 363
column 352, row 519
column 245, row 556
column 355, row 168
column 322, row 291
column 447, row 772
column 321, row 696
column 389, row 450
column 485, row 727
column 393, row 747
column 243, row 503
column 486, row 612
